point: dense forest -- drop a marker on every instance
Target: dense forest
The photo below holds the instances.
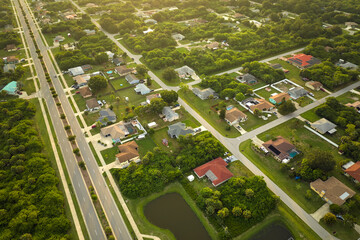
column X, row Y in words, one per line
column 31, row 206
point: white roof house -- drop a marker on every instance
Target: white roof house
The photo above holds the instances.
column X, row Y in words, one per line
column 76, row 71
column 324, row 126
column 142, row 89
column 185, row 71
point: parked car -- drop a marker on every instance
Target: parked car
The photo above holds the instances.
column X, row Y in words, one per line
column 339, row 217
column 93, row 126
column 77, row 92
column 100, row 103
column 311, row 94
column 104, row 102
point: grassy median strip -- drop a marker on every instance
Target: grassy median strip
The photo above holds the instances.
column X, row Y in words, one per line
column 95, row 154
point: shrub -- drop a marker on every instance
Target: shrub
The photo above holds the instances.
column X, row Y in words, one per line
column 82, row 165
column 329, row 218
column 62, row 116
column 67, row 127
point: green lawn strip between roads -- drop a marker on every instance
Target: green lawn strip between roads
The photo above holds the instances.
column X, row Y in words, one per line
column 283, row 215
column 80, row 122
column 40, row 126
column 203, row 108
column 136, row 207
column 95, row 154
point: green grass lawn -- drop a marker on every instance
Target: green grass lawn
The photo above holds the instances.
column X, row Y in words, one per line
column 69, row 80
column 120, row 83
column 91, row 118
column 159, row 135
column 109, row 154
column 295, row 189
column 303, row 101
column 265, row 94
column 80, row 101
column 136, row 207
column 203, row 107
column 310, row 115
column 80, row 123
column 145, row 145
column 28, row 86
column 343, row 231
column 348, row 97
column 95, row 154
column 253, row 121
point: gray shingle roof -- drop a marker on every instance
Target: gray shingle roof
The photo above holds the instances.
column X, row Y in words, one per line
column 179, row 129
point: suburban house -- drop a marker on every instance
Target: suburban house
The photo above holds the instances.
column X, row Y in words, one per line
column 213, row 45
column 132, row 79
column 303, row 61
column 118, row 61
column 234, row 116
column 117, row 131
column 247, row 78
column 178, row 37
column 10, row 88
column 351, row 25
column 257, row 103
column 128, row 152
column 279, row 98
column 347, row 65
column 324, row 126
column 354, row 171
column 86, row 67
column 239, row 15
column 314, row 85
column 106, row 116
column 179, row 129
column 215, row 170
column 92, row 104
column 9, row 67
column 204, row 94
column 58, row 39
column 82, row 80
column 11, row 60
column 297, row 92
column 170, row 115
column 281, row 149
column 76, row 71
column 123, row 70
column 85, row 92
column 185, row 72
column 332, row 190
column 142, row 89
column 355, row 105
column 89, row 32
column 110, row 55
column 10, row 47
column 152, row 96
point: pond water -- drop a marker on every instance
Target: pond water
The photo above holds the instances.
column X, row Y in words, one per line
column 275, row 231
column 171, row 212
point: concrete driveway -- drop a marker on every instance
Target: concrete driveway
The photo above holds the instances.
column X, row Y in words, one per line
column 320, row 213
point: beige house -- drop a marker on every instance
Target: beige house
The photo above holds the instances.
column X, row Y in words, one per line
column 332, row 190
column 116, row 131
column 314, row 85
column 234, row 116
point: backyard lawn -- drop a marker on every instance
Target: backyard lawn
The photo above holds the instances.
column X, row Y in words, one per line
column 265, row 94
column 120, row 83
column 145, row 145
column 50, row 38
column 203, row 107
column 159, row 135
column 253, row 121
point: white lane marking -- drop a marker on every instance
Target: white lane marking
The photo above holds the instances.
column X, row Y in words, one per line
column 112, row 213
column 95, row 232
column 105, row 197
column 79, row 184
column 83, row 199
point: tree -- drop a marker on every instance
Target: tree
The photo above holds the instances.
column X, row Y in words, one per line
column 335, row 209
column 169, row 96
column 329, row 218
column 320, row 159
column 223, row 213
column 308, row 194
column 169, row 74
column 239, row 97
column 101, row 58
column 148, row 81
column 237, row 211
column 222, row 113
column 286, row 107
column 156, row 105
column 141, row 69
column 96, row 83
column 249, row 193
column 247, row 214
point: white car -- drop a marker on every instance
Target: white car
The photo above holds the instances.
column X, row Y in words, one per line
column 100, row 103
column 104, row 102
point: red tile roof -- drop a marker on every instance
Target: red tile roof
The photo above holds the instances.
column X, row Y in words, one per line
column 354, row 171
column 304, row 60
column 216, row 167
